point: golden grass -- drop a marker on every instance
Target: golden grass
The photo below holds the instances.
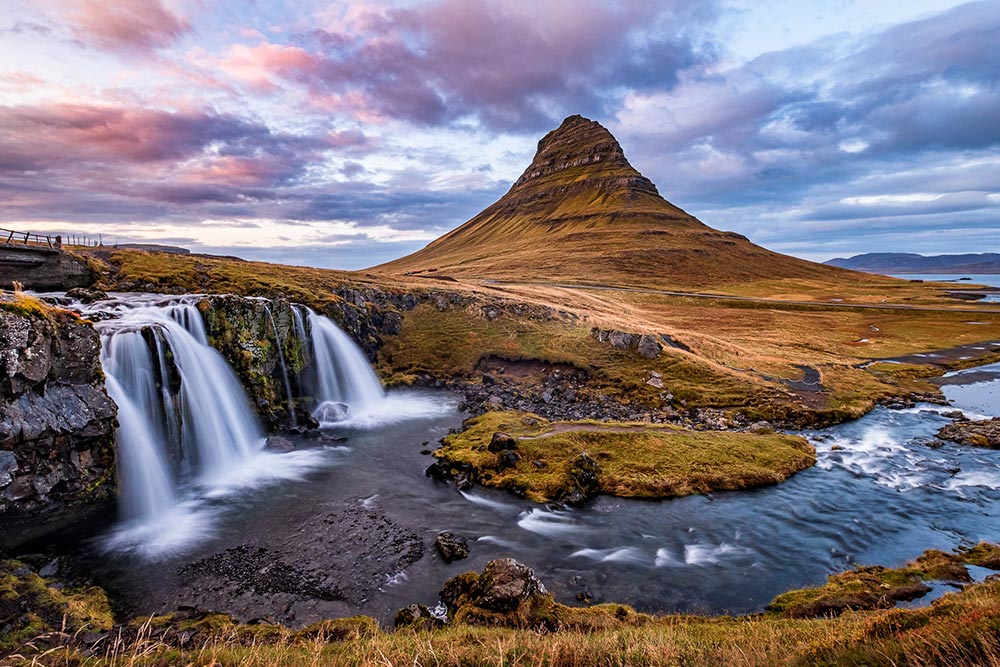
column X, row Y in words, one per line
column 635, row 460
column 960, row 630
column 741, row 351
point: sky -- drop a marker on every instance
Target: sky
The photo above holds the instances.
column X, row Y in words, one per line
column 345, row 134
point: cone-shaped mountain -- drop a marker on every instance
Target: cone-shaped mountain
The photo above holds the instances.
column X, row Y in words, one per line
column 581, row 213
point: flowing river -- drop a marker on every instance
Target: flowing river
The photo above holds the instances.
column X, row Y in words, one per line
column 346, row 525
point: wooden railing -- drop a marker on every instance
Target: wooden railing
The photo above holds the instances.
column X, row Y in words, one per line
column 12, row 237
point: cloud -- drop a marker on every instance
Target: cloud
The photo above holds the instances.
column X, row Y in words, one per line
column 137, row 27
column 508, row 64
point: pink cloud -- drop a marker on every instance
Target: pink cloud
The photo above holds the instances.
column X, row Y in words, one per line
column 136, row 26
column 254, row 65
column 511, row 63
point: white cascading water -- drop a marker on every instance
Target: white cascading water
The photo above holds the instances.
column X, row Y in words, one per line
column 218, row 429
column 187, row 432
column 346, row 386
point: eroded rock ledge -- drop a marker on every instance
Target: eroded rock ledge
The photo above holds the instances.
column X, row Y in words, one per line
column 57, row 423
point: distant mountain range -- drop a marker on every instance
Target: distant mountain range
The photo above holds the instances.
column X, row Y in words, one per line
column 904, row 262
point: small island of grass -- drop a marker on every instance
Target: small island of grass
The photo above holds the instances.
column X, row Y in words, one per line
column 570, row 461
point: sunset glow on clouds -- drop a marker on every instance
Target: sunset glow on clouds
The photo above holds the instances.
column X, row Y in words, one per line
column 347, row 133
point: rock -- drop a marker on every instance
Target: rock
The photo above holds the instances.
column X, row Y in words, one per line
column 87, row 295
column 655, row 381
column 452, row 547
column 585, row 473
column 277, row 443
column 417, row 617
column 979, row 433
column 507, row 459
column 620, row 339
column 501, row 442
column 51, row 569
column 57, row 424
column 504, row 584
column 760, row 427
column 331, row 411
column 648, row 346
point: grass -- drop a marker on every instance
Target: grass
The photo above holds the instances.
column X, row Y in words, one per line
column 740, row 351
column 633, row 461
column 961, row 629
column 27, row 305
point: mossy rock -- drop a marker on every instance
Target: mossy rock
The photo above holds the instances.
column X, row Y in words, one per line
column 31, row 606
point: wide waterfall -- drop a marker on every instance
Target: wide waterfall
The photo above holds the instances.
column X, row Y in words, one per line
column 203, row 426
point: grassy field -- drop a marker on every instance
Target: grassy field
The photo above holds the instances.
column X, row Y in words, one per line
column 742, row 353
column 627, row 460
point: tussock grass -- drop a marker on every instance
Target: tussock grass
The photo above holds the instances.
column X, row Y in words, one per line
column 636, row 461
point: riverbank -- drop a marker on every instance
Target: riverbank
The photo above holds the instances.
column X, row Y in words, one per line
column 505, row 616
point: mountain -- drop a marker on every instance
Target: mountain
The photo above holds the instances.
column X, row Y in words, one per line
column 581, row 213
column 902, row 262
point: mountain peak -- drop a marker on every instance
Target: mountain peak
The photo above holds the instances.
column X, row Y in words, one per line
column 585, row 148
column 581, row 212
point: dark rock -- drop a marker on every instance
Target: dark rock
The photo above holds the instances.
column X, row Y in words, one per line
column 416, row 617
column 979, row 433
column 501, row 442
column 585, row 473
column 452, row 547
column 507, row 459
column 57, row 423
column 504, row 584
column 87, row 295
column 51, row 569
column 648, row 347
column 277, row 443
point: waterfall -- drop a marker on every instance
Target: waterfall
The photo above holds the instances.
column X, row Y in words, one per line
column 210, row 427
column 344, row 384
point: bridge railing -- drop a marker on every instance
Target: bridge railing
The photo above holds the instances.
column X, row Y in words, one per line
column 13, row 237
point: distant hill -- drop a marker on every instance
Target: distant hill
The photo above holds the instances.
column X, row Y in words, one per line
column 581, row 213
column 900, row 262
column 156, row 247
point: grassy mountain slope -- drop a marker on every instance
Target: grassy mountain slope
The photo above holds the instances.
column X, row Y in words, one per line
column 581, row 213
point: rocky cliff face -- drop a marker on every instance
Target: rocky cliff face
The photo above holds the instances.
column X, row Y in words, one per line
column 57, row 424
column 42, row 269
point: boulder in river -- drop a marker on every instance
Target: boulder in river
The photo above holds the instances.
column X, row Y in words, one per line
column 452, row 547
column 979, row 433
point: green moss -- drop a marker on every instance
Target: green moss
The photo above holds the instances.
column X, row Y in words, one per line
column 635, row 460
column 30, row 606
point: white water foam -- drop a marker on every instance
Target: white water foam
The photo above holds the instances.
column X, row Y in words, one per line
column 548, row 523
column 614, row 555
